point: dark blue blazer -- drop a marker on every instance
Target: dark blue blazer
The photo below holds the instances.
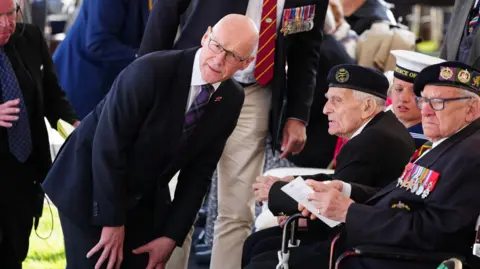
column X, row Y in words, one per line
column 130, row 144
column 102, row 41
column 442, row 222
column 290, row 98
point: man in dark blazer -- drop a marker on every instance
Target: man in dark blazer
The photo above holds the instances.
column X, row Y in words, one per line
column 110, row 180
column 291, row 31
column 102, row 41
column 378, row 148
column 433, row 206
column 29, row 92
column 462, row 39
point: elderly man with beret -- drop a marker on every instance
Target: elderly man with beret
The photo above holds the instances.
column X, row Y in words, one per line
column 434, row 204
column 378, row 149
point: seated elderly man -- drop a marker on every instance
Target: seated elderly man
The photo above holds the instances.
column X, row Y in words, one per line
column 434, row 204
column 408, row 65
column 378, row 149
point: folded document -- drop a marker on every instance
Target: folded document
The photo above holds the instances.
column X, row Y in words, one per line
column 299, row 191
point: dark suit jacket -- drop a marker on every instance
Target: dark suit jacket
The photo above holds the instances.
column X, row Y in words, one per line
column 455, row 31
column 102, row 41
column 442, row 222
column 33, row 66
column 130, row 144
column 301, row 50
column 375, row 157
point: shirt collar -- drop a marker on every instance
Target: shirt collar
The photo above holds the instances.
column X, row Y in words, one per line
column 359, row 130
column 197, row 79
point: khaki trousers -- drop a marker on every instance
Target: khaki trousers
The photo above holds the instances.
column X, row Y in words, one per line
column 241, row 162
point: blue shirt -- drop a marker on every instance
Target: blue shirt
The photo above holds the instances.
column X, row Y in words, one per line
column 416, row 131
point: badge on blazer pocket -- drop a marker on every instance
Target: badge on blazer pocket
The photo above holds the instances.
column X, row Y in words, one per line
column 297, row 20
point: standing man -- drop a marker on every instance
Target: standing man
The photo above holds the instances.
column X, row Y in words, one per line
column 462, row 40
column 290, row 31
column 29, row 92
column 167, row 111
column 102, row 41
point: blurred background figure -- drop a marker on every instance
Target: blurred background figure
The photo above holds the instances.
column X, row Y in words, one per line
column 102, row 41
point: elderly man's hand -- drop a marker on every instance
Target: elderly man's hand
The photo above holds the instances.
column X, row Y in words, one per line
column 9, row 113
column 330, row 203
column 294, row 137
column 262, row 187
column 320, row 186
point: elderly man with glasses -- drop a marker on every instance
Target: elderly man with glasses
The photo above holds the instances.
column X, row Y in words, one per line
column 434, row 204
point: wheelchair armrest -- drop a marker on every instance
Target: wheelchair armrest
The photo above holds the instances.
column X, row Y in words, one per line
column 291, row 223
column 385, row 252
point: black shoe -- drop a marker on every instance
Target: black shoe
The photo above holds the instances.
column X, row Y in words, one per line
column 203, row 257
column 452, row 263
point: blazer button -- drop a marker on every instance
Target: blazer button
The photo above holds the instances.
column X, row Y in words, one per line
column 95, row 209
column 138, row 197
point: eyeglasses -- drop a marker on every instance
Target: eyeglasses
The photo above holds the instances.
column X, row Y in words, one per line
column 230, row 56
column 436, row 104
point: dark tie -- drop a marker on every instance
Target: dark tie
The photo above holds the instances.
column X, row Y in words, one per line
column 196, row 109
column 19, row 134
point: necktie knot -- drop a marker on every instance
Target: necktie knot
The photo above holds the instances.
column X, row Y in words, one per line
column 196, row 109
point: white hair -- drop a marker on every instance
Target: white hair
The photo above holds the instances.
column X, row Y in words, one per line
column 360, row 96
column 470, row 94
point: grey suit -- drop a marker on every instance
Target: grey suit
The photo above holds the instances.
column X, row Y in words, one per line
column 455, row 31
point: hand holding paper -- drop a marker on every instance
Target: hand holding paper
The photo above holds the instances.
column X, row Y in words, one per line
column 307, row 197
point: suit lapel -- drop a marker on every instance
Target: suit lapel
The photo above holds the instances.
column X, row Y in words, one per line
column 431, row 157
column 181, row 90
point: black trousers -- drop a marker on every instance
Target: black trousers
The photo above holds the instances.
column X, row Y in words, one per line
column 16, row 222
column 79, row 239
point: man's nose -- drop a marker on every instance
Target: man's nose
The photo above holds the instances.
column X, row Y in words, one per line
column 326, row 108
column 427, row 110
column 220, row 58
column 3, row 21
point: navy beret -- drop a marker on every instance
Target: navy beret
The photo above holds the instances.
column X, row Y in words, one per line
column 454, row 74
column 359, row 78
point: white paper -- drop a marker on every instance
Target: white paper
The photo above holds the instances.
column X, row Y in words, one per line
column 299, row 191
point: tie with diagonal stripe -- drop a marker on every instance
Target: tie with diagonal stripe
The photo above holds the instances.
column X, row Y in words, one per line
column 266, row 45
column 196, row 110
column 19, row 138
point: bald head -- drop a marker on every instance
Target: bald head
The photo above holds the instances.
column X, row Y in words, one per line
column 228, row 47
column 239, row 30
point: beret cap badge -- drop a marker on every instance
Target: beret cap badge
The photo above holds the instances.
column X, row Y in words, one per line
column 464, row 76
column 342, row 75
column 446, row 73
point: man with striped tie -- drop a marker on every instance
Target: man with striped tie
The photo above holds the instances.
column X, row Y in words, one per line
column 290, row 31
column 167, row 111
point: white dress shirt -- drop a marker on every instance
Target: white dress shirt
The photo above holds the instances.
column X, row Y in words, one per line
column 254, row 12
column 197, row 81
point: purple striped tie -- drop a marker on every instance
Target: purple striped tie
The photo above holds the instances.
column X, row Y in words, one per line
column 196, row 109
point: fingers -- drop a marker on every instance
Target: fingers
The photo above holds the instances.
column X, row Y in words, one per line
column 11, row 103
column 120, row 258
column 160, row 266
column 103, row 257
column 8, row 118
column 95, row 249
column 142, row 249
column 286, row 150
column 112, row 258
column 5, row 124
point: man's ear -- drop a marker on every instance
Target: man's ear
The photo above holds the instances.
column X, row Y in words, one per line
column 369, row 108
column 247, row 62
column 473, row 110
column 205, row 36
